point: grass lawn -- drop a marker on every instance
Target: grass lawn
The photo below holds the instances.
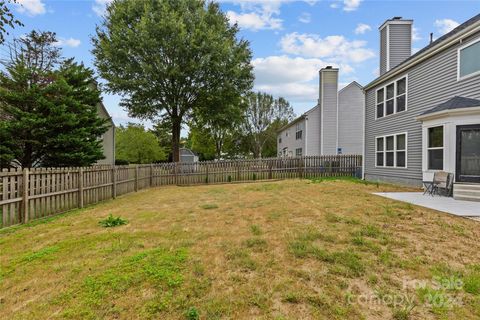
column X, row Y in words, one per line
column 292, row 249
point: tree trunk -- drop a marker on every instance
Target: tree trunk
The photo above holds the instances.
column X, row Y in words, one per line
column 176, row 128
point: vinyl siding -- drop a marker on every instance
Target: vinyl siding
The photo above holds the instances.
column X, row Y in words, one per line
column 289, row 141
column 108, row 139
column 430, row 83
column 350, row 119
column 313, row 132
column 383, row 51
column 400, row 39
column 329, row 111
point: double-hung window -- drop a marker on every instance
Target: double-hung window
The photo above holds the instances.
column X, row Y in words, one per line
column 391, row 98
column 435, row 148
column 391, row 151
column 298, row 131
column 298, row 152
column 468, row 61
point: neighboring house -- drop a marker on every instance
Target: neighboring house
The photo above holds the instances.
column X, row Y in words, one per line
column 333, row 126
column 423, row 111
column 188, row 156
column 108, row 138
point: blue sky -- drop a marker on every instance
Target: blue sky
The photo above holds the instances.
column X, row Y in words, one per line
column 290, row 40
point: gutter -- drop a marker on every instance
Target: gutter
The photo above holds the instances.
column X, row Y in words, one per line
column 448, row 112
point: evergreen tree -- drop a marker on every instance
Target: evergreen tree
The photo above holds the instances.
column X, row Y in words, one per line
column 48, row 108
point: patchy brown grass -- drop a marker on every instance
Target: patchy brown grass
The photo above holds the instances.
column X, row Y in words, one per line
column 283, row 250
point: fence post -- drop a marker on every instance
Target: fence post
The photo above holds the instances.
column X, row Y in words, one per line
column 206, row 178
column 151, row 175
column 114, row 182
column 80, row 187
column 25, row 196
column 136, row 177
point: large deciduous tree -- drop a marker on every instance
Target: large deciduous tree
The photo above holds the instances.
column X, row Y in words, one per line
column 170, row 58
column 263, row 117
column 48, row 107
column 7, row 20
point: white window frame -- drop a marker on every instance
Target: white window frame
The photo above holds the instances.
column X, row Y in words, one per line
column 458, row 61
column 435, row 148
column 395, row 150
column 296, row 152
column 384, row 87
column 298, row 128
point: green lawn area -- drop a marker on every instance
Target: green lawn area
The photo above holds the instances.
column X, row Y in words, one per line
column 295, row 249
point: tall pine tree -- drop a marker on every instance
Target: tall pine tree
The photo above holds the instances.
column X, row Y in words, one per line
column 48, row 108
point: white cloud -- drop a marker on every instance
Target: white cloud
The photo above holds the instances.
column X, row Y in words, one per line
column 305, row 17
column 255, row 20
column 257, row 15
column 416, row 34
column 293, row 78
column 362, row 28
column 445, row 25
column 100, row 6
column 347, row 5
column 335, row 48
column 70, row 42
column 351, row 5
column 31, row 7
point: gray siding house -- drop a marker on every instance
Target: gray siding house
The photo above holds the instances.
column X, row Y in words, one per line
column 333, row 126
column 422, row 114
column 108, row 138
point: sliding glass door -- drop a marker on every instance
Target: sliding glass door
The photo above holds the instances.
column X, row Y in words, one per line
column 468, row 153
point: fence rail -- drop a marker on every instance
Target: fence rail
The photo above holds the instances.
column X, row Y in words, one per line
column 40, row 192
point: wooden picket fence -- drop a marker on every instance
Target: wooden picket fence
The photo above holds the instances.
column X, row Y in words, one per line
column 40, row 192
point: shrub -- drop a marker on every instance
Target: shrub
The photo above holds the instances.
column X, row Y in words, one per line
column 192, row 314
column 121, row 162
column 112, row 221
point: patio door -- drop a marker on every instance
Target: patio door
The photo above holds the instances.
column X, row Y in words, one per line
column 468, row 153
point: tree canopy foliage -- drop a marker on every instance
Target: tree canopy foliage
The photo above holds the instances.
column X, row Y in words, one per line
column 264, row 115
column 7, row 19
column 136, row 145
column 172, row 59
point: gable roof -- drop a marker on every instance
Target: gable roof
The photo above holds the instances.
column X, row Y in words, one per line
column 454, row 103
column 412, row 60
column 351, row 84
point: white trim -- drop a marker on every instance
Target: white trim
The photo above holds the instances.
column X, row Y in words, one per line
column 449, row 112
column 394, row 135
column 336, row 124
column 427, row 148
column 384, row 87
column 428, row 53
column 306, row 142
column 387, row 50
column 321, row 115
column 396, row 21
column 459, row 78
column 364, row 152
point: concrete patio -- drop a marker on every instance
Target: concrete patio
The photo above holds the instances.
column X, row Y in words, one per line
column 470, row 209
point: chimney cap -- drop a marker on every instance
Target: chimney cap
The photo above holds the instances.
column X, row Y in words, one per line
column 396, row 20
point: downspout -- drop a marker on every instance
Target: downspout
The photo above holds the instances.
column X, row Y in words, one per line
column 364, row 133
